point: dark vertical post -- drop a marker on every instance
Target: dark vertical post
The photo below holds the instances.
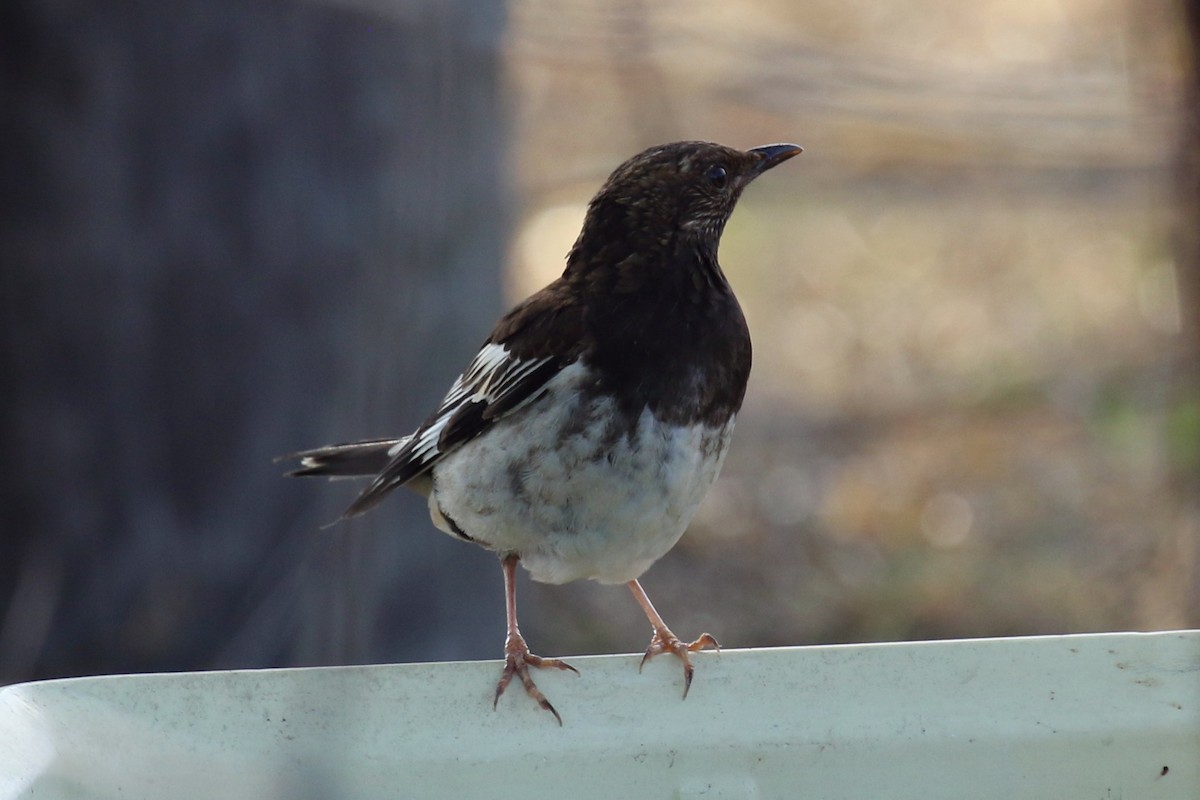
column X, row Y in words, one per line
column 230, row 230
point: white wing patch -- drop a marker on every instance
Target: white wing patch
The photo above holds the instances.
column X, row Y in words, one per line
column 495, row 384
column 398, row 446
column 491, row 375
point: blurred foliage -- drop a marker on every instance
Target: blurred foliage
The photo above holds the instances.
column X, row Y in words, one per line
column 1183, row 436
column 962, row 296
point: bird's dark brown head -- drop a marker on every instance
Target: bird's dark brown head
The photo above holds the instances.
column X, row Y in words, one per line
column 669, row 199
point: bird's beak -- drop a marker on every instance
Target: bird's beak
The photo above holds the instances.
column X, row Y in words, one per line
column 773, row 154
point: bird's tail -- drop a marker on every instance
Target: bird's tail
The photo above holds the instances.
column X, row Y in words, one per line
column 356, row 459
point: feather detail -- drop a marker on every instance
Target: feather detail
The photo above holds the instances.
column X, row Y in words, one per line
column 494, row 385
column 353, row 459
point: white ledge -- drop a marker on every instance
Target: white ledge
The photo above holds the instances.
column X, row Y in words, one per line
column 1088, row 716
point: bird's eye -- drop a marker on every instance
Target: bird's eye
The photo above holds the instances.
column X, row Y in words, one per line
column 717, row 176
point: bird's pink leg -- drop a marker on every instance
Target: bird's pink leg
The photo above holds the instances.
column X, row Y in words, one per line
column 517, row 658
column 663, row 641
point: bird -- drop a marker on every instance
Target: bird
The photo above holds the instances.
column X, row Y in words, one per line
column 582, row 437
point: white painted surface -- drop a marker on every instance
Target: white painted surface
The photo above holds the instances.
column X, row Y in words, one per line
column 1094, row 716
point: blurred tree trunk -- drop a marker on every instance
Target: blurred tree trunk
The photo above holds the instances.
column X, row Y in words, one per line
column 232, row 230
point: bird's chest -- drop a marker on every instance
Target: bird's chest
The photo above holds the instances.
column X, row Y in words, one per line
column 687, row 361
column 579, row 488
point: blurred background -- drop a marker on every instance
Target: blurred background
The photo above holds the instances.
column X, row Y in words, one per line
column 231, row 230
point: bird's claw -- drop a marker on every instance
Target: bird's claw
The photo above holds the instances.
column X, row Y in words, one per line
column 517, row 661
column 663, row 641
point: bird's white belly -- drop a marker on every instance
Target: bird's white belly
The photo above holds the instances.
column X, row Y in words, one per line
column 570, row 487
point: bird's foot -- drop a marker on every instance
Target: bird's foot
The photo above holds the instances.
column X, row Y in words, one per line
column 517, row 661
column 663, row 641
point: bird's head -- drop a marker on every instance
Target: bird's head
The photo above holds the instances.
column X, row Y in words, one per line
column 672, row 195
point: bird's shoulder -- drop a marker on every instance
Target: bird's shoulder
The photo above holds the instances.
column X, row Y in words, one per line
column 548, row 324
